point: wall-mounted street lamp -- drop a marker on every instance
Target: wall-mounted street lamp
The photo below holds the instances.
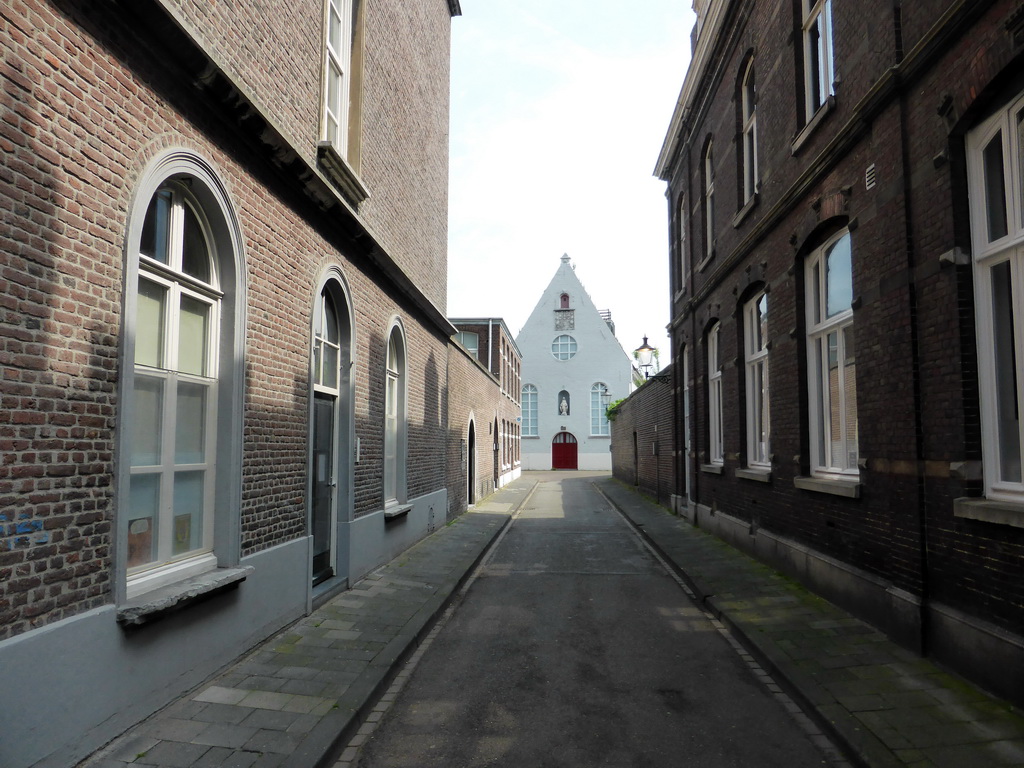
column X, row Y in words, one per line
column 645, row 357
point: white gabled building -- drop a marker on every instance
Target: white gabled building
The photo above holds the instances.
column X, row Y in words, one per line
column 570, row 359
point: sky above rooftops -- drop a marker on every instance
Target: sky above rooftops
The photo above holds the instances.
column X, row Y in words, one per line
column 559, row 110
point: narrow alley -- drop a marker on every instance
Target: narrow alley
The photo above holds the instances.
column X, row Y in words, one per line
column 575, row 646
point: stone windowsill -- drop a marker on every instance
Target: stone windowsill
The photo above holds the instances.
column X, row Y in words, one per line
column 757, row 475
column 160, row 602
column 396, row 511
column 712, row 469
column 341, row 173
column 743, row 212
column 989, row 511
column 848, row 488
column 812, row 124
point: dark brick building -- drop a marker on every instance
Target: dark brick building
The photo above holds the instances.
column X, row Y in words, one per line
column 225, row 366
column 847, row 224
column 643, row 438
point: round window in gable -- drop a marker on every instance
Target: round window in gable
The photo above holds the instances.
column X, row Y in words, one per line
column 563, row 347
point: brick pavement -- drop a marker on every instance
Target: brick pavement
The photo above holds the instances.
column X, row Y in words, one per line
column 297, row 699
column 883, row 704
column 294, row 701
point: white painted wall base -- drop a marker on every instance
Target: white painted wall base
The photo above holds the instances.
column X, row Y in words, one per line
column 85, row 680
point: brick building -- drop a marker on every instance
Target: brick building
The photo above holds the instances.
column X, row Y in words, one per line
column 643, row 438
column 225, row 358
column 488, row 449
column 846, row 219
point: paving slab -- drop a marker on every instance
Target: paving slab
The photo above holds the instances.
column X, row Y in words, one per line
column 294, row 701
column 884, row 704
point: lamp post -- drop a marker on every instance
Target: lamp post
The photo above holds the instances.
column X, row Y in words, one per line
column 645, row 355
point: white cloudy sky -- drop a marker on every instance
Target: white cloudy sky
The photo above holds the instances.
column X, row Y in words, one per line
column 559, row 110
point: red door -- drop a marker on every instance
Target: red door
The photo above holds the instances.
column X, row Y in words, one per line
column 563, row 452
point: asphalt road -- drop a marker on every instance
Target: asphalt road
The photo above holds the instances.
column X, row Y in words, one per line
column 574, row 647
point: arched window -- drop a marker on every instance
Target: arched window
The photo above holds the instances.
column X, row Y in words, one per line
column 755, row 358
column 529, row 406
column 709, row 201
column 995, row 163
column 716, row 451
column 563, row 301
column 394, row 420
column 748, row 143
column 599, row 424
column 182, row 380
column 831, row 362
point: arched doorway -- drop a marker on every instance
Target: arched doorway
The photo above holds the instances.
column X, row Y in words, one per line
column 564, row 452
column 330, row 425
column 471, row 466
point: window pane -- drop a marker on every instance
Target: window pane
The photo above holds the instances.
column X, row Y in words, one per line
column 330, row 321
column 156, row 227
column 995, row 188
column 820, row 394
column 146, row 421
column 849, row 457
column 188, row 512
column 149, row 324
column 762, row 313
column 839, row 290
column 195, row 253
column 334, row 29
column 330, row 375
column 143, row 508
column 1007, row 412
column 333, row 90
column 192, row 343
column 190, row 431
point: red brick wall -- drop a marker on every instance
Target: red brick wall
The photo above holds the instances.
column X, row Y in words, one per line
column 643, row 439
column 86, row 101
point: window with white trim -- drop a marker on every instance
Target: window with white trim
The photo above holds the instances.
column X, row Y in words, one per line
column 755, row 359
column 709, row 202
column 471, row 341
column 716, row 451
column 995, row 154
column 599, row 425
column 681, row 255
column 394, row 420
column 563, row 347
column 529, row 406
column 748, row 143
column 831, row 361
column 819, row 69
column 172, row 422
column 337, row 74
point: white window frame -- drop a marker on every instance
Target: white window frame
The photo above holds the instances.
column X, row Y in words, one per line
column 395, row 418
column 337, row 72
column 599, row 424
column 681, row 255
column 1001, row 386
column 832, row 455
column 755, row 359
column 716, row 445
column 819, row 65
column 168, row 566
column 564, row 347
column 709, row 201
column 529, row 410
column 471, row 341
column 748, row 101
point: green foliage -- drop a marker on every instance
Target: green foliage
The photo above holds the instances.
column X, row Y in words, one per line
column 613, row 409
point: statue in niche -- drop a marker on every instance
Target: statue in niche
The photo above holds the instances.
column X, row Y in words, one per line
column 563, row 403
